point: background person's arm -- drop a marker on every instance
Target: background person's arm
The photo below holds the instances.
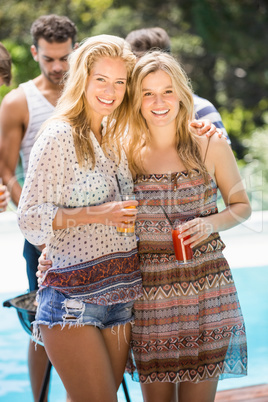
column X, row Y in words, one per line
column 13, row 114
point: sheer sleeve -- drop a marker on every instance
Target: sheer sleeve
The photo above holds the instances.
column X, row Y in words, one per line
column 42, row 191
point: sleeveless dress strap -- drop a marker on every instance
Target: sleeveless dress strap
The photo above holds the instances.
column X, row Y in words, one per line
column 206, row 150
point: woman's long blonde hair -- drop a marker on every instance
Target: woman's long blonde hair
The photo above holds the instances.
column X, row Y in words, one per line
column 72, row 105
column 139, row 136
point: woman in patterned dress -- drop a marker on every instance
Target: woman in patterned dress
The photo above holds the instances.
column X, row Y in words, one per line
column 189, row 330
column 70, row 201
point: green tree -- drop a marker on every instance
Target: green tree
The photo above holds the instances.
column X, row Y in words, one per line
column 222, row 45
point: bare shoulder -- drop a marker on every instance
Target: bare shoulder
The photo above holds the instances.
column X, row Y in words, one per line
column 15, row 104
column 219, row 148
column 216, row 153
column 213, row 146
column 15, row 98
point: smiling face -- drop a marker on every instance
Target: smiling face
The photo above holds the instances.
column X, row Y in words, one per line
column 106, row 86
column 160, row 103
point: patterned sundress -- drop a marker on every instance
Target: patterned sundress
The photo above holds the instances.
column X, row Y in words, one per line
column 188, row 323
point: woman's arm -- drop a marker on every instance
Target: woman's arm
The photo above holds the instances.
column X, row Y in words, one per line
column 221, row 165
column 42, row 189
column 109, row 213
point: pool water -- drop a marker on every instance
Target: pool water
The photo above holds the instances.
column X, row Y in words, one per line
column 251, row 284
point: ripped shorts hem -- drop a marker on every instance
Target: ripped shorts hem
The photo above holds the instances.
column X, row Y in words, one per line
column 37, row 337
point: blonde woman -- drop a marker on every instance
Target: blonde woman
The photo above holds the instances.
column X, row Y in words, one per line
column 189, row 330
column 70, row 201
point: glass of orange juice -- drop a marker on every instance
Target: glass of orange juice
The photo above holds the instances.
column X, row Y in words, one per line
column 130, row 229
column 1, row 192
column 1, row 187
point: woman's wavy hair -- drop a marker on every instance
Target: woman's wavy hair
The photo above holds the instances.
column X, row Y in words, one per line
column 139, row 135
column 73, row 106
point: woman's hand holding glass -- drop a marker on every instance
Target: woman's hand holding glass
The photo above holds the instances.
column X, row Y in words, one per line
column 118, row 213
column 4, row 196
column 113, row 213
column 199, row 230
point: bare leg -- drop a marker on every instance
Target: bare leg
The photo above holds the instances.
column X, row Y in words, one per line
column 203, row 392
column 81, row 358
column 187, row 392
column 117, row 343
column 158, row 392
column 37, row 364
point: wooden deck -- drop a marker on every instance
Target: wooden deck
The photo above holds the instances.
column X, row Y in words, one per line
column 256, row 393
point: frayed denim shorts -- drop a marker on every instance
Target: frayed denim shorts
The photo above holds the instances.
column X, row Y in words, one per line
column 55, row 308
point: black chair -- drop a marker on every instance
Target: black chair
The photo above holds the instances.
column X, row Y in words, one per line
column 24, row 305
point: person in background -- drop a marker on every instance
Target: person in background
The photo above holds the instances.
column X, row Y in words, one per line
column 189, row 330
column 5, row 78
column 22, row 112
column 143, row 40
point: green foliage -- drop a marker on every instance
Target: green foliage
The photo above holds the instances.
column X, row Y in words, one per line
column 222, row 45
column 256, row 169
column 111, row 22
column 22, row 64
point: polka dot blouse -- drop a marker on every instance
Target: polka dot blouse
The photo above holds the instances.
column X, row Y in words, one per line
column 55, row 180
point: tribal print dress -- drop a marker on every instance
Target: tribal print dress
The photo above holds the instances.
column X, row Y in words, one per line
column 188, row 324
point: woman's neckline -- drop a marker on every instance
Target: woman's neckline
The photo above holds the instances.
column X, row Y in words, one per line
column 173, row 174
column 167, row 174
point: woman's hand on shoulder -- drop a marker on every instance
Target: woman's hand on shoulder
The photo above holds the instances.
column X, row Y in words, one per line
column 205, row 127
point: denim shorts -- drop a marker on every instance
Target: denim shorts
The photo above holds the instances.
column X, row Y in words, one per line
column 55, row 308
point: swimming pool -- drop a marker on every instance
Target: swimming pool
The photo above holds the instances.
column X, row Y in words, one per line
column 252, row 289
column 246, row 252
